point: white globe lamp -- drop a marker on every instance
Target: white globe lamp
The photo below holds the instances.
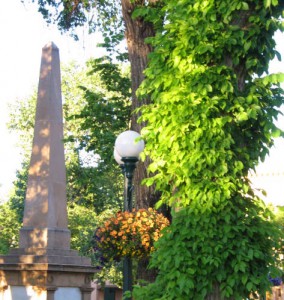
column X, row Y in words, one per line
column 129, row 144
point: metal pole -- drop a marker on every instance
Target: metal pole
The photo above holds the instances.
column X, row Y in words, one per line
column 129, row 167
column 127, row 276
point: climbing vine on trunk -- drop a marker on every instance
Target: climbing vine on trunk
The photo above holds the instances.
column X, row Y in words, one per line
column 211, row 120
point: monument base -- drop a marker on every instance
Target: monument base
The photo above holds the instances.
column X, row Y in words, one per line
column 45, row 274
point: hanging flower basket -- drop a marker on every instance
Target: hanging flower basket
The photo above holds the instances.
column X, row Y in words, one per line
column 130, row 234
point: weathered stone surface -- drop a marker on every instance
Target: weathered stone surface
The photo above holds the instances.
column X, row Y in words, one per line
column 45, row 214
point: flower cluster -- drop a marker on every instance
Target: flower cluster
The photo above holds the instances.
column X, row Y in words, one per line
column 276, row 281
column 130, row 234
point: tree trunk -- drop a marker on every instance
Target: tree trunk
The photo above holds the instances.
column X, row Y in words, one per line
column 136, row 32
column 216, row 295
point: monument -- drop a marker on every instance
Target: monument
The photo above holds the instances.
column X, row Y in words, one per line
column 44, row 267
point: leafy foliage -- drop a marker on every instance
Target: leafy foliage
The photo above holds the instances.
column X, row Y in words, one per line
column 228, row 247
column 9, row 228
column 106, row 111
column 211, row 120
column 81, row 222
column 21, row 121
column 18, row 193
column 201, row 102
column 95, row 14
column 279, row 215
column 94, row 187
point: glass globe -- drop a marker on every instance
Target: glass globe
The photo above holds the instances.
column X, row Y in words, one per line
column 128, row 144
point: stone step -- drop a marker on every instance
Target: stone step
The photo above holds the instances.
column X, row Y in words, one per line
column 45, row 259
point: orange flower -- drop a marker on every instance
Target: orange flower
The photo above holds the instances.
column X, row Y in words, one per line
column 113, row 233
column 130, row 233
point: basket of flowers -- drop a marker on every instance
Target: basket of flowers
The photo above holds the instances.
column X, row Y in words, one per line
column 131, row 234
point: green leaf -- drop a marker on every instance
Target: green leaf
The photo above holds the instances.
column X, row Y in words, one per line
column 249, row 286
column 244, row 278
column 247, row 46
column 251, row 62
column 242, row 116
column 277, row 133
column 267, row 3
column 245, row 6
column 273, row 78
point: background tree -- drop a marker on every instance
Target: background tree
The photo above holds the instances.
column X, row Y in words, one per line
column 279, row 215
column 211, row 120
column 17, row 195
column 9, row 228
column 92, row 128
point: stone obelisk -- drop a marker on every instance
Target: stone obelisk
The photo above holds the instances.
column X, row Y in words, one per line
column 45, row 213
column 44, row 262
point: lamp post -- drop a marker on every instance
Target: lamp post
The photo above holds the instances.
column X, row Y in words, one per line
column 126, row 153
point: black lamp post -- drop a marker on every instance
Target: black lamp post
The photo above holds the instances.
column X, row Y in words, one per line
column 127, row 149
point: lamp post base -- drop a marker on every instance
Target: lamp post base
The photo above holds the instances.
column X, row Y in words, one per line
column 127, row 276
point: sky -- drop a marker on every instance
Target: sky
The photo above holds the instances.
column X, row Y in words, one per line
column 23, row 33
